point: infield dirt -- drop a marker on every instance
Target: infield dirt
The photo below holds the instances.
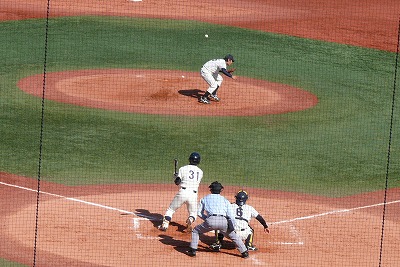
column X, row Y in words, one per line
column 86, row 226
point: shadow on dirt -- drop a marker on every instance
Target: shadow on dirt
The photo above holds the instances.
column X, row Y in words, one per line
column 195, row 93
column 154, row 218
column 183, row 246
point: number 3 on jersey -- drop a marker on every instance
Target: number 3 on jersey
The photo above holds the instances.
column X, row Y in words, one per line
column 194, row 175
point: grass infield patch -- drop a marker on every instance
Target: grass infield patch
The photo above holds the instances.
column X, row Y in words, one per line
column 337, row 148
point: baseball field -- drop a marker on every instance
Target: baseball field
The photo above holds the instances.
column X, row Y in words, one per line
column 98, row 97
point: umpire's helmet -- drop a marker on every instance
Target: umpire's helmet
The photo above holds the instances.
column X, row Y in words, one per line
column 216, row 187
column 241, row 197
column 194, row 158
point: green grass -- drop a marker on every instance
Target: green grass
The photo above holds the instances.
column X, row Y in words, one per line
column 5, row 263
column 337, row 148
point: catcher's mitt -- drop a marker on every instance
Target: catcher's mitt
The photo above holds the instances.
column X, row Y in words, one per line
column 231, row 70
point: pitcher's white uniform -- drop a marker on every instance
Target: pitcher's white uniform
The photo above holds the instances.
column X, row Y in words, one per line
column 210, row 73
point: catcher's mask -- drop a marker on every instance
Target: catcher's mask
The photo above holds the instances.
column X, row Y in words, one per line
column 241, row 197
column 194, row 158
column 216, row 187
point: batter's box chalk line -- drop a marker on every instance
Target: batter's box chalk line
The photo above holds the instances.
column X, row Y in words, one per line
column 136, row 227
column 140, row 217
column 256, row 261
column 294, row 236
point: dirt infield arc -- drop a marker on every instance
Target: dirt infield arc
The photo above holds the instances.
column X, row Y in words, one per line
column 115, row 225
column 367, row 23
column 167, row 92
column 81, row 234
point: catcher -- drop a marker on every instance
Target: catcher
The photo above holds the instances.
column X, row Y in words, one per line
column 244, row 213
column 210, row 73
column 218, row 215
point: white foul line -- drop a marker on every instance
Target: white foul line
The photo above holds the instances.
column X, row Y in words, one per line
column 71, row 199
column 335, row 212
column 152, row 218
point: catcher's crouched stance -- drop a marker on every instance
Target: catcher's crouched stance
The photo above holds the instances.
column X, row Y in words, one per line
column 217, row 213
column 188, row 179
column 243, row 214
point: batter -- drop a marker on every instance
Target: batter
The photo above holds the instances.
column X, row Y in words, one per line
column 188, row 179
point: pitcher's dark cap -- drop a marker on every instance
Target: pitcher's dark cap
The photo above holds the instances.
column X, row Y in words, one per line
column 229, row 56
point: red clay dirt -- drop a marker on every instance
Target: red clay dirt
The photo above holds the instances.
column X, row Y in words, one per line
column 167, row 93
column 367, row 23
column 115, row 225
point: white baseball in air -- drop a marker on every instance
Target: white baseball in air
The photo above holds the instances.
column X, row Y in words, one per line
column 206, row 35
column 183, row 76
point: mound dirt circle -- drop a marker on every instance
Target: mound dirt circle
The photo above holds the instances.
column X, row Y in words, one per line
column 166, row 93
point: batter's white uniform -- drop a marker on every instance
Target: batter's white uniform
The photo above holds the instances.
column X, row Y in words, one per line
column 210, row 73
column 243, row 215
column 191, row 176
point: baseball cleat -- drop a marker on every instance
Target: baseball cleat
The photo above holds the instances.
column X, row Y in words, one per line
column 191, row 252
column 216, row 246
column 162, row 228
column 215, row 97
column 164, row 225
column 204, row 100
column 245, row 255
column 252, row 248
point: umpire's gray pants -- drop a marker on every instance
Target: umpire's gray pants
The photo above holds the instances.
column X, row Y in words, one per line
column 216, row 223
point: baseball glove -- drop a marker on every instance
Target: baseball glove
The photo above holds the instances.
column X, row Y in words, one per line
column 231, row 70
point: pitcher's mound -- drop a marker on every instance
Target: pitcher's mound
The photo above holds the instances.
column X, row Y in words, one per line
column 167, row 92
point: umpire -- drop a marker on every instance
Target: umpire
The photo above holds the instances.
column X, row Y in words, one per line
column 217, row 213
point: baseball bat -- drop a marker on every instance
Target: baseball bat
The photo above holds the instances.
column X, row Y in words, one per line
column 175, row 166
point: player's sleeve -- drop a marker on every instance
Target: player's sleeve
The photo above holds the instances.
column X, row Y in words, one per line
column 254, row 213
column 200, row 174
column 224, row 71
column 180, row 172
column 262, row 221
